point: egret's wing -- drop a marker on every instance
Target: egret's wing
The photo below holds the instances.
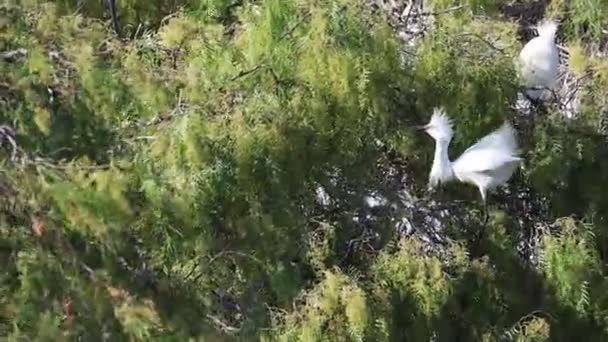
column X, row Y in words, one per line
column 490, row 152
column 502, row 139
column 482, row 160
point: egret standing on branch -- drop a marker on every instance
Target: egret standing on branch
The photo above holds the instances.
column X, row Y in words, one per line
column 487, row 164
column 539, row 61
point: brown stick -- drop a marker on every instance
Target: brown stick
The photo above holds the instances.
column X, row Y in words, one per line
column 115, row 24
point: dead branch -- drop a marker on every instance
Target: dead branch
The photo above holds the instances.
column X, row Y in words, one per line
column 115, row 24
column 236, row 253
column 21, row 157
column 7, row 135
column 243, row 73
column 13, row 55
column 223, row 326
column 445, row 11
column 489, row 43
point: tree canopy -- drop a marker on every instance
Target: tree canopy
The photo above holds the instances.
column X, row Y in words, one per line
column 218, row 170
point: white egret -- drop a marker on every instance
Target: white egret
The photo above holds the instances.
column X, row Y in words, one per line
column 539, row 60
column 487, row 164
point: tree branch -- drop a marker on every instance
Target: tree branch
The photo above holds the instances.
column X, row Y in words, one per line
column 444, row 11
column 490, row 44
column 247, row 72
column 115, row 24
column 286, row 34
column 7, row 134
column 223, row 326
column 13, row 55
column 243, row 255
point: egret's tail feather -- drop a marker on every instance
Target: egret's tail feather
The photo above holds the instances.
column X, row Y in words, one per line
column 547, row 28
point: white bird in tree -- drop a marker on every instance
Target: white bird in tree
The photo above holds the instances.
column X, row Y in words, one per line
column 539, row 61
column 487, row 164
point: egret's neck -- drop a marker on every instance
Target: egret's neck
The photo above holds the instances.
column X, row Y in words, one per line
column 547, row 41
column 441, row 159
column 441, row 171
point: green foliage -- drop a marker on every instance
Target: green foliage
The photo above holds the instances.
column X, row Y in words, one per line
column 569, row 263
column 463, row 54
column 409, row 272
column 336, row 309
column 586, row 18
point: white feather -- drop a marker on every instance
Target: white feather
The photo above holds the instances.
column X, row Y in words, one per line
column 502, row 138
column 547, row 29
column 440, row 126
column 488, row 163
column 539, row 60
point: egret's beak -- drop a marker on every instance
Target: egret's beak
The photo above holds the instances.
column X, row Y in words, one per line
column 422, row 127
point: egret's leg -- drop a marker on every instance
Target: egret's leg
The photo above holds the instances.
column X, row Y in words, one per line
column 431, row 191
column 482, row 229
column 486, row 213
column 486, row 218
column 485, row 203
column 427, row 193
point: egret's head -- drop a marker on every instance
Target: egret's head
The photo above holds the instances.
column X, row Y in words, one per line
column 547, row 29
column 440, row 126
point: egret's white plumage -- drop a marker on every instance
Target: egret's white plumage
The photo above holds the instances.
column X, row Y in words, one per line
column 487, row 164
column 539, row 60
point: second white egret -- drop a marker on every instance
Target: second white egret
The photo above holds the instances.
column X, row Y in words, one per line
column 539, row 61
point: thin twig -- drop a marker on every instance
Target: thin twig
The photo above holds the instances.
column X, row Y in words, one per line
column 18, row 155
column 409, row 13
column 13, row 55
column 563, row 49
column 114, row 15
column 490, row 44
column 139, row 26
column 51, row 165
column 229, row 252
column 169, row 17
column 247, row 72
column 445, row 11
column 8, row 134
column 535, row 313
column 223, row 326
column 191, row 272
column 288, row 33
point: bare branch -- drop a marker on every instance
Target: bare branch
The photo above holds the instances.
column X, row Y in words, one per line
column 168, row 17
column 7, row 134
column 13, row 55
column 115, row 24
column 223, row 326
column 287, row 34
column 243, row 255
column 18, row 155
column 490, row 44
column 247, row 72
column 445, row 11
